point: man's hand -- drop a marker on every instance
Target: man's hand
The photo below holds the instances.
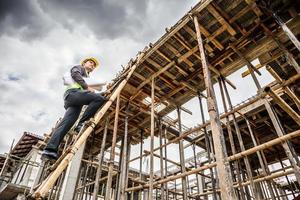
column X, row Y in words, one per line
column 91, row 89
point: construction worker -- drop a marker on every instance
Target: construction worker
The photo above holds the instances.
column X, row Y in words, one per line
column 77, row 94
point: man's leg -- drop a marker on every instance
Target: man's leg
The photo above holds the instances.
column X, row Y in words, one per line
column 80, row 98
column 63, row 127
column 92, row 108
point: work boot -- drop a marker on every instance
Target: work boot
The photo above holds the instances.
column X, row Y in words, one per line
column 49, row 155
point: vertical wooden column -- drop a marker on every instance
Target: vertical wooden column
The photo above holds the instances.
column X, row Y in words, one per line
column 151, row 141
column 7, row 159
column 124, row 162
column 199, row 190
column 208, row 147
column 289, row 110
column 162, row 188
column 286, row 89
column 127, row 165
column 264, row 168
column 236, row 164
column 166, row 163
column 120, row 171
column 275, row 121
column 241, row 143
column 287, row 179
column 280, row 132
column 225, row 179
column 182, row 159
column 287, row 31
column 141, row 161
column 112, row 152
column 100, row 158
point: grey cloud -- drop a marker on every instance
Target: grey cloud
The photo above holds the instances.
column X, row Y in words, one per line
column 22, row 18
column 106, row 18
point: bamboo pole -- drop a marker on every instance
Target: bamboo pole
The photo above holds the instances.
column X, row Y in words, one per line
column 227, row 191
column 100, row 158
column 50, row 180
column 151, row 141
column 112, row 151
column 247, row 152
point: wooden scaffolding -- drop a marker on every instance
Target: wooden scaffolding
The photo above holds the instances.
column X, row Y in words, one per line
column 208, row 44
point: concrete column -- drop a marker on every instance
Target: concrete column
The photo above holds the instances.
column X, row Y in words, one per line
column 69, row 184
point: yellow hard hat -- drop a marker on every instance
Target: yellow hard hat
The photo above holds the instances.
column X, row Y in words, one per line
column 92, row 59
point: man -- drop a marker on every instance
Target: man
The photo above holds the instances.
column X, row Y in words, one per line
column 77, row 94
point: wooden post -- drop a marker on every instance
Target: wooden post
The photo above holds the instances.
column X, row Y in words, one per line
column 197, row 176
column 286, row 89
column 182, row 159
column 166, row 163
column 236, row 163
column 120, row 170
column 277, row 125
column 141, row 162
column 208, row 147
column 286, row 177
column 100, row 158
column 240, row 139
column 247, row 152
column 287, row 31
column 263, row 166
column 294, row 115
column 124, row 159
column 227, row 191
column 7, row 158
column 112, row 152
column 162, row 188
column 151, row 141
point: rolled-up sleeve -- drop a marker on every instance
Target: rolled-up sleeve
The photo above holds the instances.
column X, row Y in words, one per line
column 77, row 77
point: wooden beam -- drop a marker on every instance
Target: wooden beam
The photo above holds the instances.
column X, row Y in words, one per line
column 223, row 168
column 222, row 21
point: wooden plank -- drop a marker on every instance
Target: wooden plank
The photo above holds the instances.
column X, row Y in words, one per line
column 219, row 17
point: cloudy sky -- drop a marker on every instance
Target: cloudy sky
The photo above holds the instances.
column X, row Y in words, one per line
column 40, row 40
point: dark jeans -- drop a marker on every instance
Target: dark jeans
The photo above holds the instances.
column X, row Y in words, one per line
column 74, row 100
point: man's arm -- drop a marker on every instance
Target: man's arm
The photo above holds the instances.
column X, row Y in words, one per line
column 77, row 76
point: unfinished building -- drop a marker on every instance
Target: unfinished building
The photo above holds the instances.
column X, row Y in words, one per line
column 250, row 151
